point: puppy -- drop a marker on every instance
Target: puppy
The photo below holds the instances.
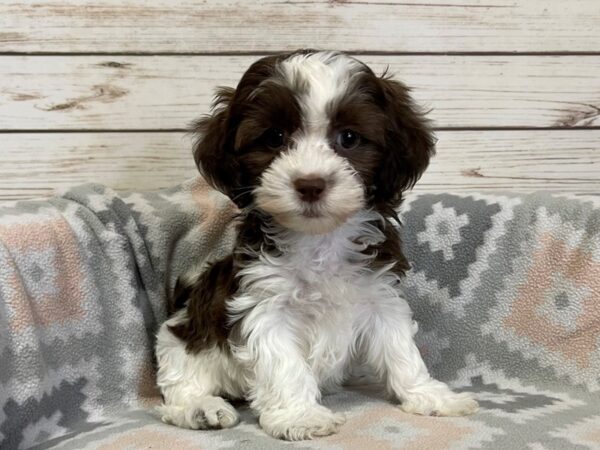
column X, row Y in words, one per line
column 315, row 150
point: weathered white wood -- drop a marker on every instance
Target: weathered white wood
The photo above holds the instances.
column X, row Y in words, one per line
column 274, row 25
column 166, row 92
column 557, row 160
column 549, row 160
column 34, row 164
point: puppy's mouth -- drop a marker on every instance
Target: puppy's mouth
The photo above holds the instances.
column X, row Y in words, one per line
column 311, row 215
column 310, row 212
column 311, row 218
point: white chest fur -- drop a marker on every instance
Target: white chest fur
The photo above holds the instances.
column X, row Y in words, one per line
column 317, row 290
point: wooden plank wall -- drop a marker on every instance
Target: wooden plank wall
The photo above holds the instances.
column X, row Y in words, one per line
column 103, row 90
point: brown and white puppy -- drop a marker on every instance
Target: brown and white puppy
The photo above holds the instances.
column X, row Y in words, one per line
column 316, row 150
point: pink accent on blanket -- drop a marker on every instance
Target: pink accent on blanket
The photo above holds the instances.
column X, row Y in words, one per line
column 42, row 296
column 556, row 267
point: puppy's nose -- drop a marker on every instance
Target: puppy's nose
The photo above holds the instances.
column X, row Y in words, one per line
column 310, row 189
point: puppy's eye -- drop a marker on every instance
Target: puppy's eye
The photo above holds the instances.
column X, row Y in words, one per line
column 274, row 138
column 348, row 139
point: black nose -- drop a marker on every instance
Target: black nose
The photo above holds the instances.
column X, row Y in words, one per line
column 310, row 189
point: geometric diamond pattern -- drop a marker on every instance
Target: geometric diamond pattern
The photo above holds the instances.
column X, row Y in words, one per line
column 505, row 289
column 442, row 230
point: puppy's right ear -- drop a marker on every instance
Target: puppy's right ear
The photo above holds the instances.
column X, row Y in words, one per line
column 213, row 147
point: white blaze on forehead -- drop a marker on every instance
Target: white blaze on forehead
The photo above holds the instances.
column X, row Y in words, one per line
column 320, row 79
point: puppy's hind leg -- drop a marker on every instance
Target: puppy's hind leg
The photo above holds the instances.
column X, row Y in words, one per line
column 191, row 385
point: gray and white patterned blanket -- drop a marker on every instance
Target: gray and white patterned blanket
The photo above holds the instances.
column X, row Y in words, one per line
column 506, row 290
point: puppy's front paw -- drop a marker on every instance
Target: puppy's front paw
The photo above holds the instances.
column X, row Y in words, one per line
column 205, row 413
column 437, row 399
column 297, row 425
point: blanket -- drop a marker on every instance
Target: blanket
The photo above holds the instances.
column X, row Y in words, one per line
column 505, row 288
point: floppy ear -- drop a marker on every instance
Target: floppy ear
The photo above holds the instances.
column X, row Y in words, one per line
column 409, row 143
column 213, row 148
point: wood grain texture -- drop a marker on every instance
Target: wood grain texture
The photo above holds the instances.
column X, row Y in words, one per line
column 520, row 161
column 34, row 164
column 167, row 92
column 274, row 25
column 558, row 160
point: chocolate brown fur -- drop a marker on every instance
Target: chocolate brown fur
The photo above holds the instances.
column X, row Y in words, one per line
column 206, row 302
column 389, row 251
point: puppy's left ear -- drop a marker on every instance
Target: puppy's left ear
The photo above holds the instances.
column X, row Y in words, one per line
column 409, row 143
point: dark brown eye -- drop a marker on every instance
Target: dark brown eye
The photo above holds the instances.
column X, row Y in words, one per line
column 274, row 138
column 348, row 139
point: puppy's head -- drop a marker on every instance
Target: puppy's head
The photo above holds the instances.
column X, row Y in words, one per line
column 312, row 137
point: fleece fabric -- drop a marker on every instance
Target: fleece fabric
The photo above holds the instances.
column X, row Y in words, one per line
column 505, row 288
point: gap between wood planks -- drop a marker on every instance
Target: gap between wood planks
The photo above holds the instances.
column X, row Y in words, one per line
column 267, row 53
column 184, row 130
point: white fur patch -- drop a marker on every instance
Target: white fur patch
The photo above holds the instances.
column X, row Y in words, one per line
column 324, row 78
